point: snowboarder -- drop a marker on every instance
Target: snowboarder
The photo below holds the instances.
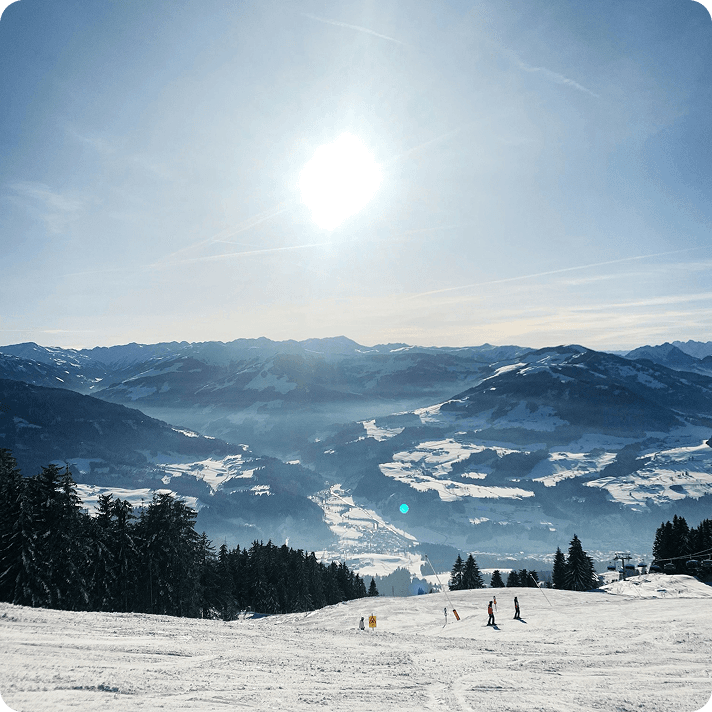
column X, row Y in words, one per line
column 361, row 624
column 491, row 614
column 516, row 609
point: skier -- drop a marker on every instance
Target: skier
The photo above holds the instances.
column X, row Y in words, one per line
column 494, row 600
column 516, row 609
column 361, row 625
column 445, row 611
column 491, row 614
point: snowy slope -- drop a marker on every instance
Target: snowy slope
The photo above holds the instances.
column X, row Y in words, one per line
column 571, row 651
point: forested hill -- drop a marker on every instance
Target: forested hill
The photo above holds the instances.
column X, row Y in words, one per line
column 54, row 555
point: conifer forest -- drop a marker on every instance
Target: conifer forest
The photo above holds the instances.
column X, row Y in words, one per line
column 55, row 555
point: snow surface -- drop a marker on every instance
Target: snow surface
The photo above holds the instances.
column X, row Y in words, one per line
column 137, row 498
column 379, row 433
column 214, row 472
column 571, row 651
column 426, row 468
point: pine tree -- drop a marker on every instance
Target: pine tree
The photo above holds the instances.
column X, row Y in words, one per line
column 11, row 492
column 471, row 576
column 31, row 587
column 125, row 552
column 169, row 547
column 513, row 579
column 104, row 574
column 315, row 577
column 496, row 581
column 372, row 590
column 224, row 593
column 456, row 575
column 558, row 572
column 210, row 583
column 681, row 543
column 580, row 574
column 700, row 538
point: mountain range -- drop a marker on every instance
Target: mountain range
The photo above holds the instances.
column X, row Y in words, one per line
column 369, row 450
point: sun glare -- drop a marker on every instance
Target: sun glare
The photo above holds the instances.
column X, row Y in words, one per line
column 339, row 180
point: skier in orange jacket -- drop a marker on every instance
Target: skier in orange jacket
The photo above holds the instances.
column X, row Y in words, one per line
column 491, row 614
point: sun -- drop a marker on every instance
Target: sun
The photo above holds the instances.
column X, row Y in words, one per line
column 339, row 180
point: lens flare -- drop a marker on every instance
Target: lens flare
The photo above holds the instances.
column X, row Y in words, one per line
column 404, row 508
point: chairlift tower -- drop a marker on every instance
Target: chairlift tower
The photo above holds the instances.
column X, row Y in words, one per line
column 622, row 557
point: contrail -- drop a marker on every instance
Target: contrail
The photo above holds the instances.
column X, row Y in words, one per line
column 430, row 142
column 246, row 253
column 555, row 77
column 358, row 28
column 554, row 271
column 228, row 232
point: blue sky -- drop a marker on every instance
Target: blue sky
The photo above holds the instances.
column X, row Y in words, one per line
column 547, row 171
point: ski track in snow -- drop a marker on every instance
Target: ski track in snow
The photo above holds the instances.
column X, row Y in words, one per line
column 588, row 651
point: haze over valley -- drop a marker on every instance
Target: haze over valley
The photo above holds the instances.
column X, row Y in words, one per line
column 504, row 451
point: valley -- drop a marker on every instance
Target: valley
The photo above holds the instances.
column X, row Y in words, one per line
column 503, row 451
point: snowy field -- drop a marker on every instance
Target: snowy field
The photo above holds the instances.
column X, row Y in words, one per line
column 644, row 646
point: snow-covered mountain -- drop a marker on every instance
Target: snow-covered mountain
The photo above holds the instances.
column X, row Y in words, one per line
column 563, row 440
column 537, row 445
column 277, row 396
column 692, row 356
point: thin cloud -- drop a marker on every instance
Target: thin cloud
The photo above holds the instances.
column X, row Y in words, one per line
column 652, row 302
column 108, row 150
column 550, row 272
column 56, row 209
column 358, row 28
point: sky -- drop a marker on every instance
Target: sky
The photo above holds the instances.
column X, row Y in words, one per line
column 545, row 171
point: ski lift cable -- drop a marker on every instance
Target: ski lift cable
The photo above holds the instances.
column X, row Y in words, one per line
column 442, row 588
column 542, row 592
column 704, row 552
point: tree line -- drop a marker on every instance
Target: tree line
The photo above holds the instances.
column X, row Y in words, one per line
column 676, row 542
column 53, row 554
column 574, row 572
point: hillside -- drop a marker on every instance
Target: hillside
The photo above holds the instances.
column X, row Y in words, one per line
column 240, row 496
column 584, row 651
column 564, row 440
